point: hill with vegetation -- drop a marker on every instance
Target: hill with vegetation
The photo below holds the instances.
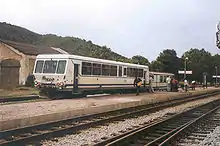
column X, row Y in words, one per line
column 72, row 45
column 199, row 61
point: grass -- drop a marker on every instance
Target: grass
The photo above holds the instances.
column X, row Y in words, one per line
column 20, row 91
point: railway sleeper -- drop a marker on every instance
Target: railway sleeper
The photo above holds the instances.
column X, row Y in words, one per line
column 195, row 137
column 199, row 134
column 155, row 134
column 162, row 131
column 149, row 138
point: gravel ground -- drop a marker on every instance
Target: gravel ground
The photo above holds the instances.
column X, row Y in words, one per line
column 213, row 139
column 31, row 109
column 91, row 135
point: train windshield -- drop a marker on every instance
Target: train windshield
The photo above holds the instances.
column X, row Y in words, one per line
column 50, row 66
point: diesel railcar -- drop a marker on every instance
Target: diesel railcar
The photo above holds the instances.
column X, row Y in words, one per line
column 86, row 75
column 159, row 80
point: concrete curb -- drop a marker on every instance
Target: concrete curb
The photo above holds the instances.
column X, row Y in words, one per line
column 19, row 98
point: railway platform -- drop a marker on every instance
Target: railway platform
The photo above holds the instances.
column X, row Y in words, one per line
column 25, row 114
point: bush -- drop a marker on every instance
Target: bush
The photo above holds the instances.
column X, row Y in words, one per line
column 30, row 81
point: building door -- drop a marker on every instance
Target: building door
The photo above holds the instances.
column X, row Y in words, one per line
column 76, row 77
column 9, row 73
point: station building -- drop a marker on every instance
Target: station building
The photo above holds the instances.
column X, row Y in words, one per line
column 17, row 61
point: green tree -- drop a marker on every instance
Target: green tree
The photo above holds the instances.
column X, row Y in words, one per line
column 199, row 61
column 138, row 59
column 215, row 63
column 167, row 61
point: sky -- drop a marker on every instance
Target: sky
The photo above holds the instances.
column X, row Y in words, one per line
column 128, row 27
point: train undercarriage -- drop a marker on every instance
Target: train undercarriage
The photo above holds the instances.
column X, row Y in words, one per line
column 54, row 93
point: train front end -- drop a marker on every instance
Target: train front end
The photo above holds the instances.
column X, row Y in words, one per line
column 50, row 73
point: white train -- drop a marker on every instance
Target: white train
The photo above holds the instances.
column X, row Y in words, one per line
column 159, row 79
column 82, row 74
column 78, row 74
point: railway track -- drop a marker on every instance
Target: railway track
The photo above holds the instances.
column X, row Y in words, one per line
column 168, row 131
column 16, row 99
column 196, row 131
column 35, row 133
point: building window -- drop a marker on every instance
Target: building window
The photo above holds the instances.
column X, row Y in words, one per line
column 96, row 69
column 113, row 71
column 106, row 70
column 39, row 66
column 50, row 66
column 61, row 67
column 86, row 68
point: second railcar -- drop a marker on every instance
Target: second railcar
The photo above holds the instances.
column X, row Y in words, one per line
column 159, row 79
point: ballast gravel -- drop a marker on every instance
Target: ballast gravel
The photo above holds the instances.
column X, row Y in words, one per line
column 213, row 139
column 92, row 135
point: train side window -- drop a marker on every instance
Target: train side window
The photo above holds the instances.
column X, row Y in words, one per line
column 161, row 79
column 125, row 71
column 39, row 66
column 134, row 72
column 96, row 69
column 61, row 67
column 129, row 72
column 140, row 72
column 164, row 79
column 155, row 78
column 113, row 71
column 105, row 70
column 86, row 68
column 120, row 71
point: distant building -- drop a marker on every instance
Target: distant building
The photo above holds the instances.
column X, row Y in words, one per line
column 17, row 61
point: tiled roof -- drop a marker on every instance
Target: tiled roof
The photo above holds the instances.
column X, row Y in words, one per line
column 29, row 49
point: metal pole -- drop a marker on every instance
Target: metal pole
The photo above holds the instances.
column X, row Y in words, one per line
column 216, row 70
column 185, row 70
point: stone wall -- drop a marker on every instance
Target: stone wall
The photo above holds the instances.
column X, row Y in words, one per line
column 31, row 65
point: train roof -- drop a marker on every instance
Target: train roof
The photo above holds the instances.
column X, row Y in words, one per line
column 67, row 56
column 161, row 73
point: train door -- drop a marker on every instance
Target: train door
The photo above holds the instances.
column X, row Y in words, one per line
column 146, row 77
column 145, row 72
column 124, row 71
column 76, row 77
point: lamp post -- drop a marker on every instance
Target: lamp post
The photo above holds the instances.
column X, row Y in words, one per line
column 185, row 67
column 218, row 36
column 216, row 72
